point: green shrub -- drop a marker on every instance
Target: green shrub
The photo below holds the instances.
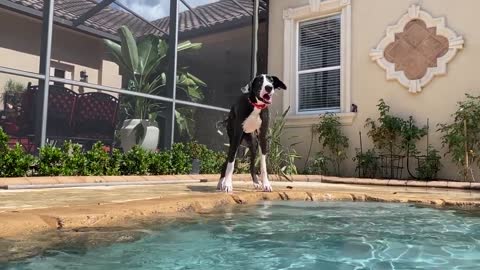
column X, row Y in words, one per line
column 15, row 162
column 211, row 161
column 181, row 159
column 462, row 136
column 367, row 164
column 161, row 163
column 429, row 165
column 98, row 161
column 136, row 162
column 51, row 161
column 115, row 163
column 318, row 166
column 74, row 160
column 3, row 141
column 332, row 139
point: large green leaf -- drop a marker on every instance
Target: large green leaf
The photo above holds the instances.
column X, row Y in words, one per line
column 116, row 51
column 187, row 45
column 129, row 48
column 147, row 55
column 162, row 48
column 196, row 80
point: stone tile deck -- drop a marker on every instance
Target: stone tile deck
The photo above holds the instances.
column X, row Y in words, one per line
column 25, row 212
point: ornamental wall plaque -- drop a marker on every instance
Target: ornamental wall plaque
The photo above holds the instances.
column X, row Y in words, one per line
column 416, row 49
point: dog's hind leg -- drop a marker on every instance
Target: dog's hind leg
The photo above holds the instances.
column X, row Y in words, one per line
column 252, row 142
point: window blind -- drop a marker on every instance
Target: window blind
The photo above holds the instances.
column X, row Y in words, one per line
column 319, row 64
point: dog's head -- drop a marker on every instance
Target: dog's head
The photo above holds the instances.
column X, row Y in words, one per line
column 262, row 88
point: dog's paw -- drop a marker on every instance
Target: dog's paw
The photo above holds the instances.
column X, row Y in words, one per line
column 257, row 185
column 220, row 184
column 267, row 187
column 227, row 188
column 225, row 185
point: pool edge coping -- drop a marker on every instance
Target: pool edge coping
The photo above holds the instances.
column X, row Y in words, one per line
column 81, row 181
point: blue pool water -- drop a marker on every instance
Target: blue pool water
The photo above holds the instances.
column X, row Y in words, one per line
column 290, row 235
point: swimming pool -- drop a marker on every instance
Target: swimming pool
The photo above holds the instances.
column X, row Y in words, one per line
column 290, row 235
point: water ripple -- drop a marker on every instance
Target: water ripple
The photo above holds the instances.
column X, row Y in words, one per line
column 290, row 235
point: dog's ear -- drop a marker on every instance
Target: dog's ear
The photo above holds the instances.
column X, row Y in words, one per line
column 277, row 83
column 245, row 89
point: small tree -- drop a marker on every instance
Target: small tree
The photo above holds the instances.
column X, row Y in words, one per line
column 462, row 137
column 394, row 137
column 332, row 139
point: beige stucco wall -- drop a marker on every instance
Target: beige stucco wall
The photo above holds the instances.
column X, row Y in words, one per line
column 369, row 21
column 20, row 47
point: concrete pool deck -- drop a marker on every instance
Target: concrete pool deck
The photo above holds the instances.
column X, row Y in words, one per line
column 27, row 212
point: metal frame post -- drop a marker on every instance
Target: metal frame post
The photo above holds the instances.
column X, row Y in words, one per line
column 172, row 66
column 256, row 7
column 45, row 57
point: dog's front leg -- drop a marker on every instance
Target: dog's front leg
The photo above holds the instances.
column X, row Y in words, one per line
column 226, row 182
column 263, row 163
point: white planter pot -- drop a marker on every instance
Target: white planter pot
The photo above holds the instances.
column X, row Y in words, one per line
column 128, row 136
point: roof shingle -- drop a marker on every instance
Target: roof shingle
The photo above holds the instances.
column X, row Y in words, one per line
column 109, row 19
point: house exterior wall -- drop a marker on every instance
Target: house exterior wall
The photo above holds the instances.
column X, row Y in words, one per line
column 370, row 18
column 20, row 49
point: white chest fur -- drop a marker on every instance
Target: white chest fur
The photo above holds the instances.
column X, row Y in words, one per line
column 253, row 121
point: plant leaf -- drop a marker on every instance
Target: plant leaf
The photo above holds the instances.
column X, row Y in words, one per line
column 129, row 48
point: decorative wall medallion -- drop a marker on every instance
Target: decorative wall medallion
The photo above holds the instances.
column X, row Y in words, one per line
column 416, row 49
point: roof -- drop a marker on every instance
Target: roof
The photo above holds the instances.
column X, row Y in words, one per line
column 109, row 19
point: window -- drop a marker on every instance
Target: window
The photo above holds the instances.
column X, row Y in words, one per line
column 317, row 61
column 61, row 71
column 319, row 65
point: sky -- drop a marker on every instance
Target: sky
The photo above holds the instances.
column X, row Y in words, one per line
column 156, row 9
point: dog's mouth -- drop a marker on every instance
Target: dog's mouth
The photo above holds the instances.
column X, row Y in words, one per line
column 267, row 98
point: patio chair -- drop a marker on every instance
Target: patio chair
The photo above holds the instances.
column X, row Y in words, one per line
column 61, row 106
column 95, row 118
column 21, row 127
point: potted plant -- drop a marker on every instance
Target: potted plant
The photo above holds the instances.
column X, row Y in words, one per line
column 142, row 62
column 12, row 98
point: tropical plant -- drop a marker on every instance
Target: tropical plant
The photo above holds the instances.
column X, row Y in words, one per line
column 462, row 136
column 332, row 139
column 142, row 62
column 281, row 158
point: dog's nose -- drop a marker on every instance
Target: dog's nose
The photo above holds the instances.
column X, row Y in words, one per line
column 268, row 88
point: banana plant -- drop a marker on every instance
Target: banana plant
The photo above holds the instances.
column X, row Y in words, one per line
column 143, row 61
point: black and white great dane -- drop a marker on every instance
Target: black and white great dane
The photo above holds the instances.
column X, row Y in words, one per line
column 248, row 121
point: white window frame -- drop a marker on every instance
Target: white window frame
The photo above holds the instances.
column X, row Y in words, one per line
column 298, row 72
column 316, row 9
column 68, row 69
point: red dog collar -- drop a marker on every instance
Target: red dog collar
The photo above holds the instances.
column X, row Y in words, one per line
column 258, row 106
